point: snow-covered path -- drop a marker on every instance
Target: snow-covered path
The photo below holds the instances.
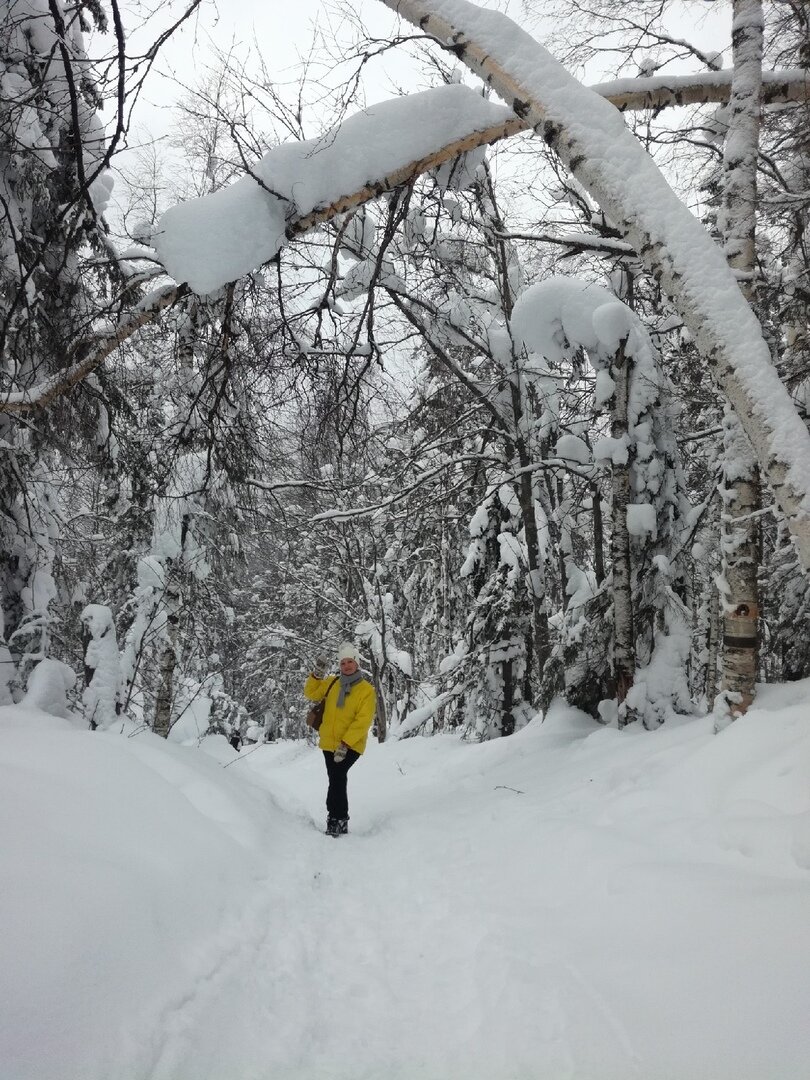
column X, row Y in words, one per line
column 570, row 903
column 504, row 914
column 380, row 953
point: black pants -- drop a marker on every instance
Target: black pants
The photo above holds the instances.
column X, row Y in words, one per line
column 337, row 801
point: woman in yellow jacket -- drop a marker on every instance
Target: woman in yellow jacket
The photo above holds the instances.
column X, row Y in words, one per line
column 349, row 706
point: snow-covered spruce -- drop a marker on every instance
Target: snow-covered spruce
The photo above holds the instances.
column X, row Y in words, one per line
column 554, row 319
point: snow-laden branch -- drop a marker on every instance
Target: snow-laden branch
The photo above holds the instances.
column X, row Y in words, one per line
column 592, row 139
column 223, row 236
column 662, row 91
column 601, row 245
column 558, row 464
column 266, row 217
column 286, row 485
column 210, row 241
column 97, row 350
column 348, row 513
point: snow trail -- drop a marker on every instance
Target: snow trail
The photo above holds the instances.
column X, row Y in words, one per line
column 357, row 958
column 572, row 903
column 500, row 912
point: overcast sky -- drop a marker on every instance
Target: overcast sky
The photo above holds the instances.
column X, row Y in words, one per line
column 282, row 30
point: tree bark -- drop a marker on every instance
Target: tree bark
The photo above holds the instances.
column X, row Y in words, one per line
column 660, row 91
column 712, row 648
column 507, row 716
column 598, row 535
column 739, row 595
column 168, row 662
column 741, row 485
column 624, row 647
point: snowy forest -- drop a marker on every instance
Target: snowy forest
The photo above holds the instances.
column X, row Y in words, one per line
column 478, row 336
column 495, row 411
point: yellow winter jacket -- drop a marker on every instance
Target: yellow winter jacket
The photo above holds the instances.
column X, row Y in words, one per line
column 349, row 724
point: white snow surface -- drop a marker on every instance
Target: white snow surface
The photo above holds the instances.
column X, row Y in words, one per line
column 218, row 238
column 572, row 448
column 641, row 519
column 48, row 685
column 572, row 902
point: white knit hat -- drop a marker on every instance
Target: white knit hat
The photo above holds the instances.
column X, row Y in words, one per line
column 348, row 651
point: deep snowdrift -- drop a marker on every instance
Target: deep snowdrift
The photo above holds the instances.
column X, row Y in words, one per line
column 571, row 902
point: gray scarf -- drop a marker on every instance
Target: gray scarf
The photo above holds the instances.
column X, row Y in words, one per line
column 346, row 683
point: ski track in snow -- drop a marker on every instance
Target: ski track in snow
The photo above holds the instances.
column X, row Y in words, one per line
column 297, row 981
column 385, row 954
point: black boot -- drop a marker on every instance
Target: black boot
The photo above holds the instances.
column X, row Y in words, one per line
column 343, row 826
column 332, row 826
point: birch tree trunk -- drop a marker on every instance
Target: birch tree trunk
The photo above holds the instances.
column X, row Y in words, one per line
column 168, row 660
column 740, row 489
column 624, row 651
column 740, row 547
column 712, row 649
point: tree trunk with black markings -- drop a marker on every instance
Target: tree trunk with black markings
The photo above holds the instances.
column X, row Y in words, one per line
column 740, row 491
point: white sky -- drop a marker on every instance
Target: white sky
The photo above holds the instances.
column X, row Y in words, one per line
column 282, row 31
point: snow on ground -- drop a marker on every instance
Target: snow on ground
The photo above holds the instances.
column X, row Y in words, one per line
column 573, row 902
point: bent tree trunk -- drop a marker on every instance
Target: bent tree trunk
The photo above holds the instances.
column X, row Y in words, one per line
column 590, row 137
